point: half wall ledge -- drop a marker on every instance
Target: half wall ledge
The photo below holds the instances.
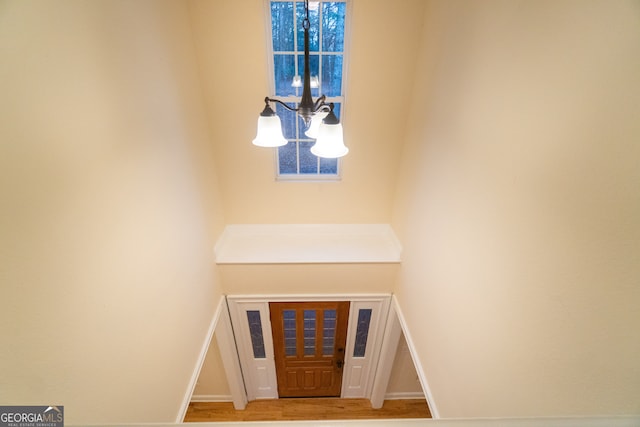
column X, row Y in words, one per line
column 307, row 244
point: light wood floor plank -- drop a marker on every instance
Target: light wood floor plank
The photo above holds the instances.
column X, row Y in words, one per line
column 306, row 409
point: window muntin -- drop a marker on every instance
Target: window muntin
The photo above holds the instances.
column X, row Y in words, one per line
column 326, row 46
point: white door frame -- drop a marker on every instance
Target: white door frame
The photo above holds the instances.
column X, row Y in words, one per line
column 229, row 355
column 220, row 326
column 392, row 334
column 259, row 374
column 395, row 327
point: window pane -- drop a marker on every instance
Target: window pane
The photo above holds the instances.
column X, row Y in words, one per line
column 314, row 18
column 282, row 26
column 362, row 332
column 284, row 69
column 288, row 158
column 288, row 120
column 332, row 75
column 289, row 327
column 308, row 161
column 255, row 330
column 328, row 166
column 333, row 14
column 314, row 66
column 309, row 332
column 328, row 332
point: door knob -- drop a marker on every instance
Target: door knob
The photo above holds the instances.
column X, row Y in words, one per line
column 339, row 364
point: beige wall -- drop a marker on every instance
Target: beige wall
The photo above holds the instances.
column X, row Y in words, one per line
column 308, row 278
column 517, row 203
column 404, row 381
column 109, row 213
column 230, row 36
column 212, row 381
column 518, row 208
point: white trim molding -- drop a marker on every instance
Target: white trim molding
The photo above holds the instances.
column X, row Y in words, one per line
column 203, row 354
column 307, row 243
column 259, row 374
column 392, row 334
column 227, row 345
column 404, row 395
column 359, row 372
column 611, row 421
column 416, row 360
column 211, row 398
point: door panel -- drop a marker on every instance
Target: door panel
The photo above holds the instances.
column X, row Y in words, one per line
column 309, row 347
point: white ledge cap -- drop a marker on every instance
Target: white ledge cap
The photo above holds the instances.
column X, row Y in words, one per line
column 307, row 243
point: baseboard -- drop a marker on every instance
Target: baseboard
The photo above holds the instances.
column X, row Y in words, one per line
column 212, row 398
column 404, row 395
column 203, row 353
column 414, row 355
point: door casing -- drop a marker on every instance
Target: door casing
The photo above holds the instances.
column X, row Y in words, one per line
column 259, row 374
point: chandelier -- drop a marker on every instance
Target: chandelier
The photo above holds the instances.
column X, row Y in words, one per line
column 320, row 121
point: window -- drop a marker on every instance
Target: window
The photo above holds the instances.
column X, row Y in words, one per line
column 362, row 332
column 329, row 332
column 309, row 332
column 255, row 329
column 327, row 58
column 289, row 327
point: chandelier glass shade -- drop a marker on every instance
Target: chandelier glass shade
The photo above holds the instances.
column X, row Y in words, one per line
column 329, row 142
column 269, row 130
column 318, row 116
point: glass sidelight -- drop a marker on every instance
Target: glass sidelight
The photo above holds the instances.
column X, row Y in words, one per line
column 255, row 330
column 362, row 332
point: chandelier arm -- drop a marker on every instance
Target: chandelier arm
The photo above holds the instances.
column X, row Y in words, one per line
column 320, row 102
column 295, row 110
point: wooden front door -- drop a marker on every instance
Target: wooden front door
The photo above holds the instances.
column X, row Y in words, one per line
column 308, row 344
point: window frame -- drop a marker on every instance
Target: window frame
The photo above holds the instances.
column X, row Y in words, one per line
column 307, row 177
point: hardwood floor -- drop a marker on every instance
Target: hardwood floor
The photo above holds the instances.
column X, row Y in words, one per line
column 306, row 409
